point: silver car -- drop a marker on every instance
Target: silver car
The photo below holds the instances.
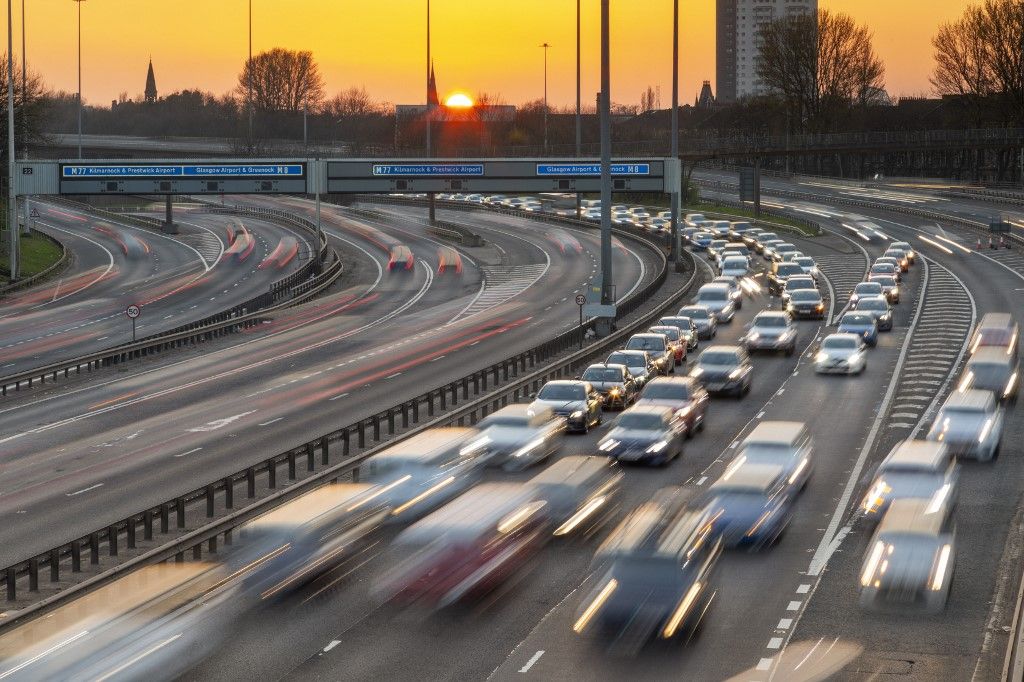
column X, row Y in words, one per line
column 912, row 469
column 687, row 326
column 771, row 331
column 638, row 362
column 970, row 423
column 659, row 347
column 718, row 299
column 581, row 491
column 575, row 401
column 991, row 369
column 517, row 436
column 707, row 323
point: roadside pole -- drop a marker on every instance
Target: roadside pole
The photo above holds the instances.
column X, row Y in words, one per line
column 133, row 311
column 581, row 301
column 604, row 324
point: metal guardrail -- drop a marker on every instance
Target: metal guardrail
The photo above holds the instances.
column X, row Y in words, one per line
column 296, row 287
column 492, row 387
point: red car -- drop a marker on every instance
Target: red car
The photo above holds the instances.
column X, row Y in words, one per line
column 401, row 258
column 683, row 394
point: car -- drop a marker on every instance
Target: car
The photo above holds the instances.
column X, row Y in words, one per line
column 293, row 544
column 581, row 493
column 717, row 297
column 648, row 434
column 841, row 353
column 694, row 218
column 862, row 324
column 422, row 472
column 738, row 228
column 655, row 576
column 791, row 256
column 998, row 330
column 890, row 289
column 919, row 469
column 768, row 250
column 779, row 274
column 707, row 323
column 466, row 549
column 895, row 262
column 879, row 308
column 907, row 249
column 574, row 400
column 659, row 225
column 771, row 331
column 787, row 444
column 686, row 326
column 702, row 240
column 779, row 251
column 639, row 363
column 795, row 283
column 910, row 559
column 752, row 504
column 685, row 395
column 752, row 236
column 448, row 259
column 900, row 256
column 734, row 288
column 616, row 385
column 806, row 303
column 677, row 341
column 735, row 266
column 991, row 369
column 970, row 423
column 884, row 269
column 764, row 239
column 658, row 346
column 715, row 247
column 687, row 234
column 400, row 258
column 809, row 266
column 867, row 289
column 724, row 369
column 721, row 227
column 518, row 436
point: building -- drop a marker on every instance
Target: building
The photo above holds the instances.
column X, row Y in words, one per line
column 150, row 92
column 706, row 98
column 738, row 23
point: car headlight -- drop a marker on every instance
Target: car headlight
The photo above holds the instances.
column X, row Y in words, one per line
column 753, row 336
column 684, row 412
column 526, row 449
column 876, row 497
column 696, row 372
column 614, row 392
column 576, row 415
column 610, row 444
column 820, row 307
column 658, row 447
column 736, row 373
column 895, row 291
column 821, row 357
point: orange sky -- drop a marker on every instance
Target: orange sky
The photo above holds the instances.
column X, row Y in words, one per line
column 478, row 45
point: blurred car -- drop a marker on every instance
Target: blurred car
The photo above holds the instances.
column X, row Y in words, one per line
column 655, row 575
column 581, row 493
column 685, row 395
column 867, row 289
column 863, row 324
column 735, row 266
column 307, row 537
column 677, row 342
column 575, row 401
column 912, row 469
column 752, row 504
column 890, row 289
column 616, row 385
column 153, row 623
column 806, row 303
column 686, row 326
column 659, row 348
column 900, row 255
column 787, row 444
column 739, row 228
column 649, row 434
column 907, row 249
column 518, row 436
column 768, row 248
column 241, row 247
column 764, row 239
column 718, row 299
column 998, row 330
column 970, row 423
column 771, row 331
column 715, row 247
column 797, row 283
column 283, row 253
column 639, row 363
column 779, row 251
column 779, row 274
column 448, row 259
column 707, row 323
column 735, row 291
column 724, row 369
column 702, row 240
column 894, row 262
column 884, row 269
column 791, row 256
column 400, row 258
column 991, row 369
column 841, row 353
column 467, row 548
column 910, row 560
column 720, row 227
column 808, row 265
column 426, row 470
column 879, row 308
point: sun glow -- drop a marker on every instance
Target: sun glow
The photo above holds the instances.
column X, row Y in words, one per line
column 458, row 100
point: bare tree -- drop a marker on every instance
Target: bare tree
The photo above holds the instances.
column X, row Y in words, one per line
column 281, row 80
column 647, row 98
column 821, row 65
column 352, row 102
column 981, row 56
column 30, row 104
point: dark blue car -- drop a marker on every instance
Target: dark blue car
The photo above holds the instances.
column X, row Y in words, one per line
column 701, row 240
column 862, row 324
column 752, row 504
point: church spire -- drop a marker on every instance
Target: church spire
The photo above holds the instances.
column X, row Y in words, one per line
column 432, row 99
column 150, row 84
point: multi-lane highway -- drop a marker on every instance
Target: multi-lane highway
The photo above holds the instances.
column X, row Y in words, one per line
column 174, row 279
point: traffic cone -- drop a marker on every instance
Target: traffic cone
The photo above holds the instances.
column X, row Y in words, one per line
column 979, row 244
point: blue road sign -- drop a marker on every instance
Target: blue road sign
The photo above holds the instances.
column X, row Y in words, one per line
column 591, row 169
column 428, row 169
column 150, row 171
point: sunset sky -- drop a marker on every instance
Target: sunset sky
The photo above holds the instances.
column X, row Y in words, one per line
column 478, row 45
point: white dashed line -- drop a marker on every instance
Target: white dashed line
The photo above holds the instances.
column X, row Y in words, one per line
column 392, row 376
column 793, row 606
column 342, row 395
column 764, row 664
column 330, row 645
column 774, row 643
column 533, row 659
column 803, row 589
column 701, row 480
column 271, row 421
column 784, row 624
column 83, row 490
column 189, row 452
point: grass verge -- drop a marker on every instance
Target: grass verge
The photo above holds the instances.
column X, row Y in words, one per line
column 37, row 254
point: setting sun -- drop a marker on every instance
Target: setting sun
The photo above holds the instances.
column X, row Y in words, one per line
column 458, row 100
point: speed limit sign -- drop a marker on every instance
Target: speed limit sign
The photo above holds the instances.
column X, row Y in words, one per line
column 581, row 299
column 133, row 311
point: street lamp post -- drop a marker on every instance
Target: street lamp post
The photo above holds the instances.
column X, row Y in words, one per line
column 12, row 198
column 24, row 89
column 79, row 3
column 431, row 203
column 546, row 46
column 675, row 247
column 606, row 171
column 249, row 70
column 579, row 136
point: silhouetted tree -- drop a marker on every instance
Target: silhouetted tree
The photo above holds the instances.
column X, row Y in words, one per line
column 29, row 107
column 281, row 80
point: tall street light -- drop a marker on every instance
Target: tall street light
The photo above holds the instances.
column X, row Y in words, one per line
column 24, row 88
column 79, row 3
column 249, row 70
column 606, row 171
column 674, row 213
column 579, row 136
column 546, row 46
column 12, row 199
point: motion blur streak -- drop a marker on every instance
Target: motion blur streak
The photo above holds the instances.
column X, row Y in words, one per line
column 595, row 605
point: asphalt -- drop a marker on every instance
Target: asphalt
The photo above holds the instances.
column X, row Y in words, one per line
column 88, row 453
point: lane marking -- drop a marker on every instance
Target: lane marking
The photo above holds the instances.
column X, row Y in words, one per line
column 784, row 624
column 83, row 490
column 793, row 606
column 330, row 645
column 803, row 589
column 272, row 421
column 774, row 643
column 533, row 659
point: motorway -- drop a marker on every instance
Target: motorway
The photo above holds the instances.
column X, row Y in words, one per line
column 804, row 590
column 174, row 279
column 83, row 453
